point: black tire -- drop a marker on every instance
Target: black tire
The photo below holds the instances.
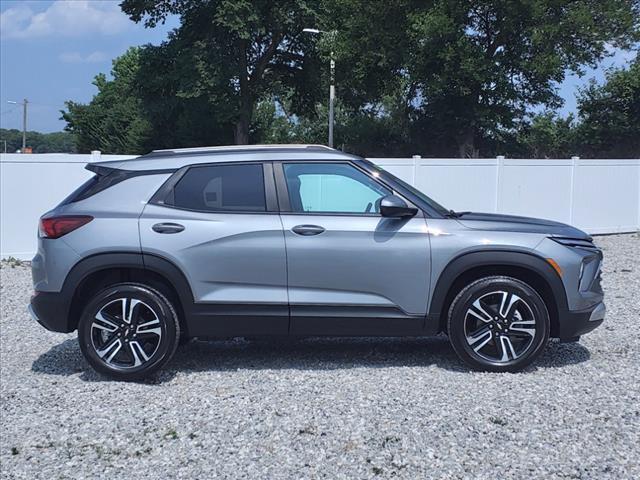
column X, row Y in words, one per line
column 137, row 347
column 506, row 336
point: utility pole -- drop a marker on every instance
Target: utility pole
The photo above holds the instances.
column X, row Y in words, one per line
column 24, row 121
column 332, row 95
column 332, row 76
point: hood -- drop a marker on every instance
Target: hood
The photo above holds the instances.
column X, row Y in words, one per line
column 513, row 223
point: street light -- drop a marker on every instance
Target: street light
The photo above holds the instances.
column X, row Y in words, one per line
column 332, row 77
column 24, row 121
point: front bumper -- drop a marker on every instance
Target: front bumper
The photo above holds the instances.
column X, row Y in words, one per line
column 51, row 311
column 578, row 323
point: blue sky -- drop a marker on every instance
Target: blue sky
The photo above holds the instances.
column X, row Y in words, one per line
column 51, row 50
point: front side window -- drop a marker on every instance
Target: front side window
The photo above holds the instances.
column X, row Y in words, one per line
column 222, row 188
column 332, row 188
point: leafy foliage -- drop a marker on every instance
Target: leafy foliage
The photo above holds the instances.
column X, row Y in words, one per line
column 610, row 115
column 435, row 77
column 56, row 142
column 230, row 53
column 114, row 121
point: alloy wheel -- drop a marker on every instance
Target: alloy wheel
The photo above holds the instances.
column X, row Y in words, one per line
column 126, row 333
column 500, row 326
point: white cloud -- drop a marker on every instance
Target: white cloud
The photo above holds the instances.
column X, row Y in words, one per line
column 75, row 57
column 69, row 18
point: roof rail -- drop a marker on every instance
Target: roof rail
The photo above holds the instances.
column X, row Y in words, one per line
column 242, row 148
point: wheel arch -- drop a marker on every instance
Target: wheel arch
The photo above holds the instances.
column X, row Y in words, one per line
column 523, row 265
column 101, row 270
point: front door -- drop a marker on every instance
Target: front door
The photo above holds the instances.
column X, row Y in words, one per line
column 220, row 227
column 350, row 270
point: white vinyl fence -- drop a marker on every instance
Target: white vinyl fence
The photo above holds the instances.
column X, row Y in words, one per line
column 599, row 196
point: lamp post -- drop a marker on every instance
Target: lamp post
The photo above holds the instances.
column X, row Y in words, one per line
column 24, row 121
column 332, row 78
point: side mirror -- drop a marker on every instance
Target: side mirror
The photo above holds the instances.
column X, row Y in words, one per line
column 392, row 206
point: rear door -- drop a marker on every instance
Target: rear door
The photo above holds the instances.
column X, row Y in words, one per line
column 350, row 271
column 219, row 224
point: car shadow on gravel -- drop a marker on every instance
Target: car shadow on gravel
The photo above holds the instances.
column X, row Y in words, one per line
column 301, row 354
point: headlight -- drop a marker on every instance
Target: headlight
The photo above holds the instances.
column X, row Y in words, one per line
column 575, row 243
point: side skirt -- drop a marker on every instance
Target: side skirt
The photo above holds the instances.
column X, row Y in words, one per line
column 354, row 321
column 253, row 320
column 235, row 320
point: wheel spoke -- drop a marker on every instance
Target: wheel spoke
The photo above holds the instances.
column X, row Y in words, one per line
column 479, row 339
column 104, row 322
column 136, row 351
column 478, row 311
column 507, row 303
column 505, row 347
column 112, row 348
column 521, row 326
column 132, row 303
column 123, row 302
column 143, row 328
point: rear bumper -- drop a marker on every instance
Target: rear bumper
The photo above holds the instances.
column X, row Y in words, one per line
column 51, row 310
column 578, row 323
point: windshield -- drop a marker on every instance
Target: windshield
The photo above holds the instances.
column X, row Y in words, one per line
column 413, row 190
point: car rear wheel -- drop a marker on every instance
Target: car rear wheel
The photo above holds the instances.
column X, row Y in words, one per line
column 498, row 324
column 128, row 331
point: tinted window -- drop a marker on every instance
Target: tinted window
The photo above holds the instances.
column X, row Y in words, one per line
column 332, row 188
column 81, row 192
column 233, row 188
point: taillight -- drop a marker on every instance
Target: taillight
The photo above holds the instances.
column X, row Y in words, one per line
column 55, row 227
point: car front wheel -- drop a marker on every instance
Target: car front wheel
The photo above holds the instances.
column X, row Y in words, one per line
column 498, row 324
column 128, row 331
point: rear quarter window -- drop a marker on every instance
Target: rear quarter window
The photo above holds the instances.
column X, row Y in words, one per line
column 82, row 191
column 221, row 188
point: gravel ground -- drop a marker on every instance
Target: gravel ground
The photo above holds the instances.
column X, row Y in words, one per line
column 327, row 408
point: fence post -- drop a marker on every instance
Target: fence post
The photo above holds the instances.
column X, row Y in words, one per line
column 574, row 166
column 416, row 159
column 500, row 159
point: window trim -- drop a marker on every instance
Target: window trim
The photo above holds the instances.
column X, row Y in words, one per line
column 283, row 191
column 271, row 202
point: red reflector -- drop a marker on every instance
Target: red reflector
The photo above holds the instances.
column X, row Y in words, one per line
column 55, row 227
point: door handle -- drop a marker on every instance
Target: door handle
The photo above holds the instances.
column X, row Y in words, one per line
column 167, row 228
column 307, row 230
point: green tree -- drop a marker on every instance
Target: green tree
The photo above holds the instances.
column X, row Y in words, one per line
column 610, row 115
column 479, row 65
column 55, row 142
column 548, row 136
column 113, row 122
column 232, row 53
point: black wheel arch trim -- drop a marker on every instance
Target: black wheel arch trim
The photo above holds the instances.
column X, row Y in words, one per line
column 492, row 257
column 107, row 261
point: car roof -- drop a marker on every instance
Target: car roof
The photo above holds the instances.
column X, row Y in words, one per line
column 178, row 158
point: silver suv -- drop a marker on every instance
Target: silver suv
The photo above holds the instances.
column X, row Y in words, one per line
column 299, row 240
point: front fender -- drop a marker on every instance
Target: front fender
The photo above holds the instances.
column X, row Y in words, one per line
column 491, row 257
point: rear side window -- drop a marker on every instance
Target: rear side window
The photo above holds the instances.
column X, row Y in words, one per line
column 82, row 191
column 222, row 188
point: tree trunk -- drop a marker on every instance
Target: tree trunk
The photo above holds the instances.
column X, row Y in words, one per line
column 241, row 131
column 466, row 144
